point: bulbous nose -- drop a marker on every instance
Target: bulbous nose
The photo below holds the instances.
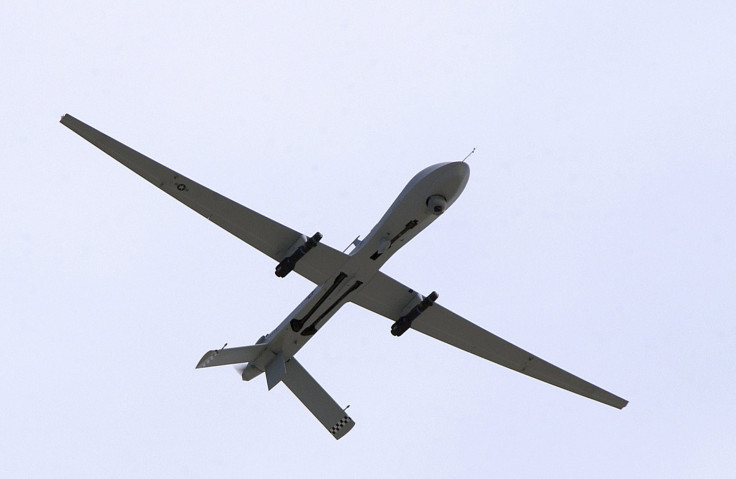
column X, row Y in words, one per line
column 455, row 176
column 461, row 170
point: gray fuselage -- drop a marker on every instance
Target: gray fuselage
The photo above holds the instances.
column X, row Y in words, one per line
column 424, row 198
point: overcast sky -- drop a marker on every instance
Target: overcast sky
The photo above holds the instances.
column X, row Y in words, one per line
column 597, row 230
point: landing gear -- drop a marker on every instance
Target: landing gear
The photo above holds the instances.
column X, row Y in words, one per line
column 404, row 323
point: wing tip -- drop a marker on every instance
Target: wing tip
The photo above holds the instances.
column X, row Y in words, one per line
column 610, row 399
column 70, row 122
column 342, row 427
column 208, row 356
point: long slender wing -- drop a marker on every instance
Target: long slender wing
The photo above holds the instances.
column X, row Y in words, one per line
column 316, row 399
column 264, row 234
column 388, row 297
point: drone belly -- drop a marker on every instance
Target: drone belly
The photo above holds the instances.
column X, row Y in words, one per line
column 402, row 222
column 425, row 197
column 282, row 339
column 307, row 318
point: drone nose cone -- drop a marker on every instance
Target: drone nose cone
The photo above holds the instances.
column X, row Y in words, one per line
column 449, row 181
column 459, row 171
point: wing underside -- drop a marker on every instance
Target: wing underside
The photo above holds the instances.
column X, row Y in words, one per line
column 388, row 297
column 382, row 295
column 264, row 234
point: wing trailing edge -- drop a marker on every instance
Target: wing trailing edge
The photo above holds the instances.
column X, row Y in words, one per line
column 388, row 297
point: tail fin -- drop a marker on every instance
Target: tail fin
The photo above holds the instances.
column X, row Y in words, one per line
column 221, row 357
column 296, row 378
column 319, row 403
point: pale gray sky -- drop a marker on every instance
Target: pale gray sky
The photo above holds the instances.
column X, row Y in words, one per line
column 597, row 231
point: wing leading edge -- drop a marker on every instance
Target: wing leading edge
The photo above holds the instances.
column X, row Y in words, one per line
column 388, row 297
column 264, row 234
